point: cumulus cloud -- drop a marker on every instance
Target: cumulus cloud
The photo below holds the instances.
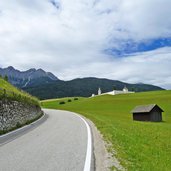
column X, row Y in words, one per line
column 146, row 19
column 68, row 38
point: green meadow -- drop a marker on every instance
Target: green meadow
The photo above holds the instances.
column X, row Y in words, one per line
column 140, row 146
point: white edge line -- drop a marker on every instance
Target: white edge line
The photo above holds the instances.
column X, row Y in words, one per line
column 87, row 165
column 12, row 132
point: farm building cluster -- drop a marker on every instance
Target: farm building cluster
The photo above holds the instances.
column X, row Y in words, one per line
column 114, row 92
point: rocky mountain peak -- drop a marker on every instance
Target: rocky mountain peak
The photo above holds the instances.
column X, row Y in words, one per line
column 10, row 68
column 25, row 78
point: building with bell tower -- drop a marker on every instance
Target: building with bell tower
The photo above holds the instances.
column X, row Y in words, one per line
column 125, row 89
column 99, row 91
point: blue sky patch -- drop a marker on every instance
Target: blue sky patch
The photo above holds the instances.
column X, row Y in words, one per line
column 130, row 47
column 55, row 4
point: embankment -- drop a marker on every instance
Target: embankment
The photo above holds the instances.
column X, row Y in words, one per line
column 14, row 114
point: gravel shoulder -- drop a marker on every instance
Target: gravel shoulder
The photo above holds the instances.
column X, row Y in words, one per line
column 103, row 160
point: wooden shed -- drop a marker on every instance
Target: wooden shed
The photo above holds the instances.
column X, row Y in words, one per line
column 151, row 113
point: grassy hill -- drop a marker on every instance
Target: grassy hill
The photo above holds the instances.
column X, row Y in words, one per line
column 140, row 146
column 10, row 92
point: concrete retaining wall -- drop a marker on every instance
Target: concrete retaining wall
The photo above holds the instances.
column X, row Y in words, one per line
column 13, row 114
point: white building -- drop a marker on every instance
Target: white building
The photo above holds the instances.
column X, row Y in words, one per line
column 125, row 89
column 93, row 95
column 99, row 91
column 115, row 92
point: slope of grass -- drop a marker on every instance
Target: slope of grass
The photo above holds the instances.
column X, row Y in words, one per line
column 7, row 91
column 53, row 103
column 140, row 146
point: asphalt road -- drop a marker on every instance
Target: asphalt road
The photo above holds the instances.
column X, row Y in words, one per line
column 61, row 143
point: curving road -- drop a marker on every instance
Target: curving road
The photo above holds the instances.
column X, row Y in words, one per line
column 58, row 144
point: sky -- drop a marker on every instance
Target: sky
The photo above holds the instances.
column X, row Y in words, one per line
column 116, row 39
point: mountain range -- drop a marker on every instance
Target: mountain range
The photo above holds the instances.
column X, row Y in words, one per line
column 45, row 85
column 27, row 78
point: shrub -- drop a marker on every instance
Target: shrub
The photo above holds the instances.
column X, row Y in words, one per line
column 69, row 100
column 18, row 125
column 76, row 98
column 62, row 102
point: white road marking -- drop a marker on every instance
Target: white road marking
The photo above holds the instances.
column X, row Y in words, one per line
column 87, row 165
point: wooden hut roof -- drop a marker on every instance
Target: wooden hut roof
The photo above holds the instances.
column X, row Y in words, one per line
column 145, row 109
